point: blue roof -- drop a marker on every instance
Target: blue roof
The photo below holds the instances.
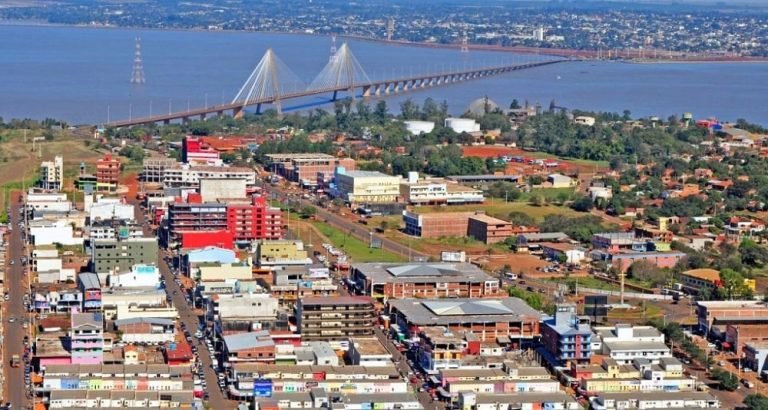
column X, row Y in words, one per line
column 212, row 254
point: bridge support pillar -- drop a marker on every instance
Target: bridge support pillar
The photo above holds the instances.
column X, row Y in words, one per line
column 166, row 122
column 367, row 91
column 386, row 88
column 237, row 113
column 184, row 120
column 258, row 108
column 351, row 93
column 405, row 85
column 377, row 90
column 220, row 113
column 335, row 96
column 202, row 117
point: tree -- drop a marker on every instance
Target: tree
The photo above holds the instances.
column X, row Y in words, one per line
column 515, row 105
column 648, row 272
column 752, row 254
column 384, row 225
column 4, row 217
column 518, row 218
column 733, row 284
column 381, row 112
column 728, row 381
column 756, row 402
column 308, row 211
column 583, row 204
column 409, row 110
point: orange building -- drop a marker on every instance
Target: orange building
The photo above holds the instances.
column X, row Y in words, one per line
column 107, row 173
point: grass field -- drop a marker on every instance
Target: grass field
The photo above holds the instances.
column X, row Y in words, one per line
column 501, row 209
column 18, row 162
column 356, row 250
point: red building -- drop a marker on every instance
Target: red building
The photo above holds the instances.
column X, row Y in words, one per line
column 178, row 353
column 107, row 173
column 254, row 219
column 202, row 239
column 195, row 150
column 198, row 224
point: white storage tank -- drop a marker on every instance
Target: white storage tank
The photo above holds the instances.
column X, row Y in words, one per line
column 460, row 125
column 418, row 127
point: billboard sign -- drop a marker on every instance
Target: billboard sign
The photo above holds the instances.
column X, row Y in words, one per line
column 262, row 388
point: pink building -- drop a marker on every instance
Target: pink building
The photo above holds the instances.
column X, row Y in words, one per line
column 87, row 338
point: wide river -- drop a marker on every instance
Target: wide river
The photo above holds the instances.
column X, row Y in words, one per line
column 82, row 75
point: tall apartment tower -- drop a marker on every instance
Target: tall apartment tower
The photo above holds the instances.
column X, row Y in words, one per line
column 52, row 173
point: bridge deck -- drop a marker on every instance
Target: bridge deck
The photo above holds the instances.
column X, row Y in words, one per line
column 485, row 71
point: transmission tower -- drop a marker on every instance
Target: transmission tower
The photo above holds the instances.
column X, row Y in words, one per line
column 464, row 44
column 137, row 76
column 390, row 28
column 333, row 48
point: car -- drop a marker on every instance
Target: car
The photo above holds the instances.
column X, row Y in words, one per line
column 11, row 319
column 12, row 261
column 7, row 297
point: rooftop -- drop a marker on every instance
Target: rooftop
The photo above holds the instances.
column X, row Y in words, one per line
column 245, row 341
column 446, row 311
column 367, row 174
column 710, row 275
column 421, row 272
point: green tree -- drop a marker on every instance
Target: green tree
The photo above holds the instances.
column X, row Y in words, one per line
column 4, row 217
column 381, row 113
column 728, row 381
column 756, row 402
column 583, row 204
column 733, row 284
column 409, row 110
column 308, row 211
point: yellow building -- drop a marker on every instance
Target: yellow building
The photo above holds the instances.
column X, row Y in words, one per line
column 207, row 272
column 641, row 375
column 282, row 252
column 697, row 279
column 367, row 187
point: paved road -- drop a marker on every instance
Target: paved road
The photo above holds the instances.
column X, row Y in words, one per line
column 216, row 399
column 345, row 225
column 16, row 285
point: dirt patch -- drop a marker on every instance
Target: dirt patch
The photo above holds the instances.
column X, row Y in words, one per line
column 527, row 264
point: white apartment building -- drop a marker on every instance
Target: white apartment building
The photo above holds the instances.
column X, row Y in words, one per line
column 52, row 173
column 624, row 343
column 186, row 176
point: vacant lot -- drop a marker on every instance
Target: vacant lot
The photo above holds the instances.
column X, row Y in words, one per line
column 356, row 250
column 19, row 162
column 500, row 209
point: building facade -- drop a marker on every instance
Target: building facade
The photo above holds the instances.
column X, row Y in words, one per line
column 107, row 173
column 335, row 318
column 367, row 187
column 52, row 173
column 115, row 255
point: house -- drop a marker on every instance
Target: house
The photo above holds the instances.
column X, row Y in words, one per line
column 146, row 330
column 566, row 252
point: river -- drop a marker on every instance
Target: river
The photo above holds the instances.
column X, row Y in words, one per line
column 82, row 75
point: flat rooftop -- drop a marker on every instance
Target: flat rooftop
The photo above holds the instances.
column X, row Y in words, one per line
column 370, row 346
column 421, row 272
column 437, row 312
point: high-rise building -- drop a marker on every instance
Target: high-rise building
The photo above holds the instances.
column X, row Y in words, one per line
column 115, row 255
column 107, row 173
column 245, row 219
column 52, row 173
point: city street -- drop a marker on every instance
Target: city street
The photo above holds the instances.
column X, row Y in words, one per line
column 13, row 333
column 216, row 398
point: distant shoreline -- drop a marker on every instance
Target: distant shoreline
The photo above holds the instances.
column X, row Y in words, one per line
column 558, row 52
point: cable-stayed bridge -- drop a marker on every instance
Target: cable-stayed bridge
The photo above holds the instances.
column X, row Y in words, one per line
column 272, row 82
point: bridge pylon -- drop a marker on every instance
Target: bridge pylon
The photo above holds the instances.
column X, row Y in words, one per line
column 268, row 82
column 343, row 72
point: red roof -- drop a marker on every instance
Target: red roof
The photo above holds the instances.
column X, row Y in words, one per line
column 181, row 352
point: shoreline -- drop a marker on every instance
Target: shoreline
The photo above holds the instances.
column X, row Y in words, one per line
column 587, row 55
